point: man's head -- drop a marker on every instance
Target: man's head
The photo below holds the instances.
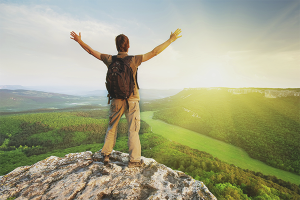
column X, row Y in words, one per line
column 122, row 43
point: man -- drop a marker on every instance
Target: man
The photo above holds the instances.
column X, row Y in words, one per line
column 120, row 106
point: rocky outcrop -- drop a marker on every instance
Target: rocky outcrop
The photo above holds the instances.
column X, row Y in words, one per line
column 84, row 176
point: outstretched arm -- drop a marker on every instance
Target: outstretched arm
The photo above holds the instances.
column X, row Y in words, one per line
column 173, row 37
column 86, row 47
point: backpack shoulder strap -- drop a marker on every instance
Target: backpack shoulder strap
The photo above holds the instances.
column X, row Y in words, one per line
column 114, row 58
column 127, row 60
column 136, row 79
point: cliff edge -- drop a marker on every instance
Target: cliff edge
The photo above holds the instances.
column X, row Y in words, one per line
column 84, row 176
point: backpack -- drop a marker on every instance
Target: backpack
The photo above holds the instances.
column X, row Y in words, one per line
column 119, row 78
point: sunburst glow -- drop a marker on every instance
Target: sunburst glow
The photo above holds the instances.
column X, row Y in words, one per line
column 223, row 44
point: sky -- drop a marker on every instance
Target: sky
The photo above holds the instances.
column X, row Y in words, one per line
column 224, row 43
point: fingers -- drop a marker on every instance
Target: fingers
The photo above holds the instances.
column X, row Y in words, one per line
column 174, row 36
column 73, row 33
column 177, row 32
column 75, row 36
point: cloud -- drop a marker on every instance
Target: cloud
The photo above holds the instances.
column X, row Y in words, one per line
column 43, row 26
column 37, row 46
column 40, row 37
column 37, row 49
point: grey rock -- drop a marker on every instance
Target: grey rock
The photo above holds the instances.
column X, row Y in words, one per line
column 84, row 176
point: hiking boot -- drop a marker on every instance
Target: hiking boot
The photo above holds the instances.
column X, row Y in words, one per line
column 106, row 159
column 135, row 164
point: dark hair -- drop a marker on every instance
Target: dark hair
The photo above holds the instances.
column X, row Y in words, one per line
column 122, row 43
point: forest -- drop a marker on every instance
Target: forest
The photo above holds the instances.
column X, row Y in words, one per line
column 28, row 138
column 268, row 129
column 39, row 133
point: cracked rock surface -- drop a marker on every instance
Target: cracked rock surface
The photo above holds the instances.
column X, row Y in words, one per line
column 84, row 176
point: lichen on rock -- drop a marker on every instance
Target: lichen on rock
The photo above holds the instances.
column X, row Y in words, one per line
column 84, row 176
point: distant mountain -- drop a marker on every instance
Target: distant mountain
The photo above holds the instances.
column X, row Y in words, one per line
column 23, row 100
column 68, row 90
column 12, row 87
column 15, row 100
column 94, row 93
column 146, row 94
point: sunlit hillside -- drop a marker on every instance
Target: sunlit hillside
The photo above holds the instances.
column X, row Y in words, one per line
column 267, row 128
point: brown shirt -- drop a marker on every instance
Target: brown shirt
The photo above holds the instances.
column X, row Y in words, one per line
column 134, row 64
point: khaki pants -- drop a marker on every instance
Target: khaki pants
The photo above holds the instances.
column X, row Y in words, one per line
column 117, row 108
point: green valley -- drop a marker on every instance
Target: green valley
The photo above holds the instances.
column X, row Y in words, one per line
column 223, row 151
column 268, row 129
column 210, row 134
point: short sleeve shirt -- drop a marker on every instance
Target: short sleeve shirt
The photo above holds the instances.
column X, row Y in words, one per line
column 134, row 64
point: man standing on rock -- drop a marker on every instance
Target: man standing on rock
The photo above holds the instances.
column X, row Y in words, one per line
column 129, row 106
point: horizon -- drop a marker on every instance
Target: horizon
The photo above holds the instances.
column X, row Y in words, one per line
column 34, row 87
column 233, row 44
column 103, row 92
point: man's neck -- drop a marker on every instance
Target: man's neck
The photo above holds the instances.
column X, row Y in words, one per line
column 122, row 53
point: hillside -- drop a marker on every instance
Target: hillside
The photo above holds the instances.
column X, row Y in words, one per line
column 44, row 132
column 224, row 151
column 266, row 128
column 30, row 138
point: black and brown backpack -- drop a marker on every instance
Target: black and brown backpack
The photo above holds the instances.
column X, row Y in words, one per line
column 119, row 78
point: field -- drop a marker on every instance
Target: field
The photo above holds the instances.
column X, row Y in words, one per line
column 225, row 152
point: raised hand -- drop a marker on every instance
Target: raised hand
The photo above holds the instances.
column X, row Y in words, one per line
column 174, row 36
column 75, row 37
